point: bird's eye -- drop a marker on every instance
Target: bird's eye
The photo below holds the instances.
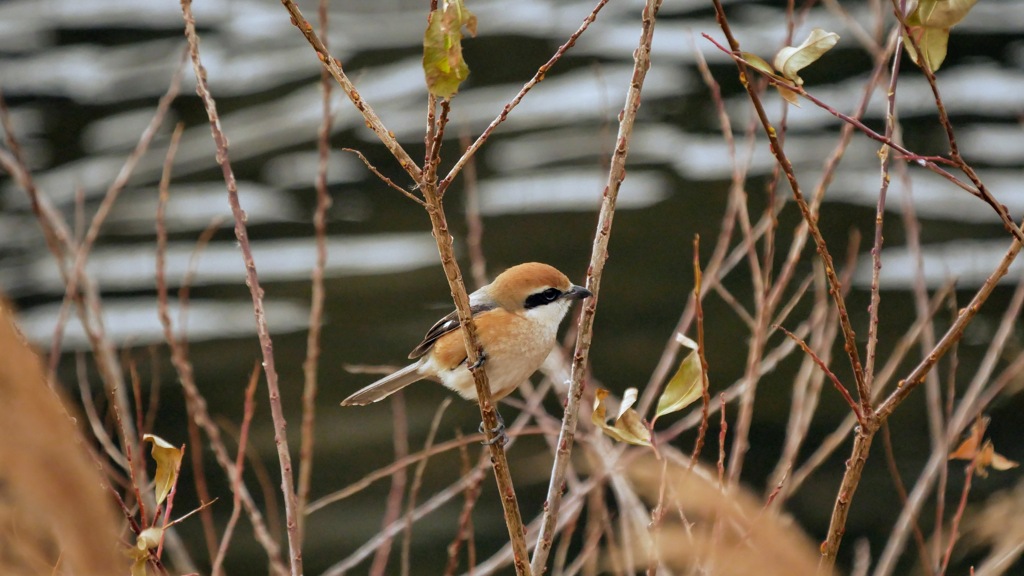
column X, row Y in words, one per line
column 540, row 298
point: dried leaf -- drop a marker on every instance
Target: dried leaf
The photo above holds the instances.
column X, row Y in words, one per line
column 168, row 459
column 685, row 387
column 930, row 23
column 933, row 42
column 788, row 95
column 149, row 538
column 968, row 449
column 983, row 455
column 989, row 458
column 755, row 61
column 443, row 64
column 1000, row 462
column 941, row 13
column 792, row 59
column 628, row 426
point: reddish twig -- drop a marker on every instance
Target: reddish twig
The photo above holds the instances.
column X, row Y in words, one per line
column 393, row 501
column 831, row 375
column 333, row 66
column 598, row 256
column 465, row 529
column 417, row 483
column 954, row 528
column 384, row 178
column 698, row 445
column 474, row 223
column 236, row 504
column 537, row 78
column 316, row 309
column 252, row 280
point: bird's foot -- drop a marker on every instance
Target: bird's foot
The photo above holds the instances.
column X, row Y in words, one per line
column 480, row 361
column 500, row 437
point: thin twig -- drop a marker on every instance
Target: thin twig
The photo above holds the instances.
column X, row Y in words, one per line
column 266, row 345
column 333, row 66
column 464, row 533
column 393, row 501
column 384, row 178
column 824, row 368
column 537, row 78
column 698, row 444
column 236, row 505
column 598, row 256
column 417, row 483
column 316, row 309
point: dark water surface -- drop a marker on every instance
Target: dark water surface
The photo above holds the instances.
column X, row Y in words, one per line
column 82, row 79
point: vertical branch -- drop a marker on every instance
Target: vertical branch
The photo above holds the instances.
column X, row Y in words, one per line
column 599, row 254
column 489, row 414
column 252, row 280
column 702, row 429
column 876, row 248
column 316, row 310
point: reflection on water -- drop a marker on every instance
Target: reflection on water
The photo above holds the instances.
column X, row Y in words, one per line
column 968, row 262
column 132, row 322
column 134, row 268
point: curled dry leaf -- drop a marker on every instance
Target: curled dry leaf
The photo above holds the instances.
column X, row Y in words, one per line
column 628, row 425
column 146, row 540
column 443, row 64
column 792, row 59
column 168, row 460
column 982, row 454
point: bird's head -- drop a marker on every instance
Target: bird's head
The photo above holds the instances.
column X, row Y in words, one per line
column 536, row 288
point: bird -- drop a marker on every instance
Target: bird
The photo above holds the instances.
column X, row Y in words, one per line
column 517, row 317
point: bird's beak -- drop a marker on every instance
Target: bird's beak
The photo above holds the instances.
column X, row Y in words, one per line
column 578, row 293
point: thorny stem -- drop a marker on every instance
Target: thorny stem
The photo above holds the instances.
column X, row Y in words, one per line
column 599, row 254
column 252, row 281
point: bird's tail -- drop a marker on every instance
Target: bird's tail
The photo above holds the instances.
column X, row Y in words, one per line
column 384, row 387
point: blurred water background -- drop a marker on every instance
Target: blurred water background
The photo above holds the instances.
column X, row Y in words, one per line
column 82, row 78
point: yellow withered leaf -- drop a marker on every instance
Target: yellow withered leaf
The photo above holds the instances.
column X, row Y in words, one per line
column 756, row 61
column 929, row 24
column 685, row 387
column 933, row 42
column 443, row 64
column 168, row 460
column 146, row 540
column 628, row 425
column 792, row 59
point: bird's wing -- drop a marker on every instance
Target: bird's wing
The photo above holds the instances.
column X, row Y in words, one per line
column 444, row 326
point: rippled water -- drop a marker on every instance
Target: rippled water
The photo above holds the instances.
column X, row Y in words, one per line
column 82, row 78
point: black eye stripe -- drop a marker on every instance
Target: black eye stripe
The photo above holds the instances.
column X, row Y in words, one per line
column 541, row 298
